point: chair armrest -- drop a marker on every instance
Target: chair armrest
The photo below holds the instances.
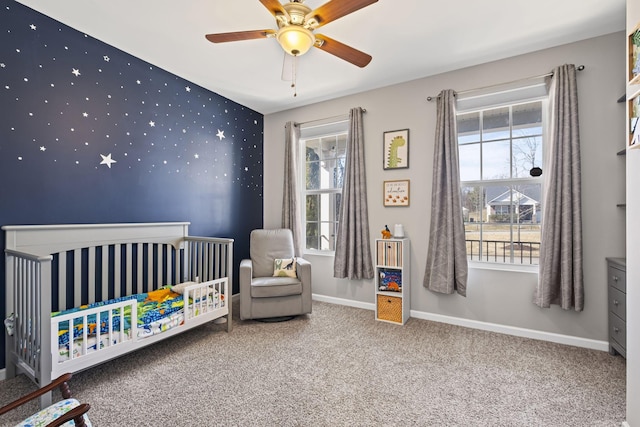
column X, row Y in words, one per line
column 246, row 270
column 76, row 414
column 304, row 270
column 61, row 382
column 245, row 277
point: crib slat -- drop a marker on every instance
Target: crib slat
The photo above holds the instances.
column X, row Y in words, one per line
column 62, row 281
column 203, row 261
column 139, row 267
column 200, row 259
column 179, row 265
column 168, row 263
column 221, row 266
column 77, row 277
column 110, row 320
column 159, row 266
column 105, row 273
column 149, row 267
column 128, row 255
column 91, row 273
column 117, row 265
column 85, row 326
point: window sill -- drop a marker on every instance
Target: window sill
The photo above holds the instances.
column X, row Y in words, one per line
column 519, row 268
column 319, row 253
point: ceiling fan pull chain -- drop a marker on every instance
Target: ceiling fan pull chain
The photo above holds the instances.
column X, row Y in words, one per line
column 294, row 64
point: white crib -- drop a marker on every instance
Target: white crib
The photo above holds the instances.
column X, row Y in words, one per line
column 52, row 268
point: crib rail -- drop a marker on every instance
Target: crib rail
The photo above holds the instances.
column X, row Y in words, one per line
column 201, row 298
column 118, row 339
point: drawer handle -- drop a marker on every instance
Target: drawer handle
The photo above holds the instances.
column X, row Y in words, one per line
column 615, row 278
column 616, row 330
column 615, row 302
column 389, row 301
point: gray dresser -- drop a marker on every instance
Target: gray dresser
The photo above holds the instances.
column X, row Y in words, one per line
column 617, row 290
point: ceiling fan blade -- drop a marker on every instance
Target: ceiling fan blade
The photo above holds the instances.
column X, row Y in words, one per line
column 343, row 51
column 334, row 9
column 239, row 35
column 274, row 6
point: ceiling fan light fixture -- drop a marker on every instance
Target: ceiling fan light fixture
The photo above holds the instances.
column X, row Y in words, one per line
column 295, row 39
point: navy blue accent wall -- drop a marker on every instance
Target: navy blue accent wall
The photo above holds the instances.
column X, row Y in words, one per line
column 90, row 134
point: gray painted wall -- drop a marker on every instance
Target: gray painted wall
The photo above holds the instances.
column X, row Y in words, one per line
column 498, row 297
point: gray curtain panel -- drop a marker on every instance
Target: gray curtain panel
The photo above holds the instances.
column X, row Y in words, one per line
column 353, row 251
column 291, row 212
column 560, row 280
column 446, row 270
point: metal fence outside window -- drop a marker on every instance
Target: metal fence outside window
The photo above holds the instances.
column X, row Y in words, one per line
column 504, row 251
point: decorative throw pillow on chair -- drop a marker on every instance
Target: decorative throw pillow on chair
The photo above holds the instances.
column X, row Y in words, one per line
column 285, row 267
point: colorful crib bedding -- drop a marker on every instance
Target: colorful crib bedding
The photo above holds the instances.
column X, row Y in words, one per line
column 157, row 311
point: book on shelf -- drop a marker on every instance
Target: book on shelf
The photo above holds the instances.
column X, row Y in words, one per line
column 389, row 280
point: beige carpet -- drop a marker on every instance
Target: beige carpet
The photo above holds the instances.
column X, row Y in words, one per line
column 340, row 367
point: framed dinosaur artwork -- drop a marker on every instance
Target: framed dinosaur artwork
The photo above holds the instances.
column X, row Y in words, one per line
column 396, row 149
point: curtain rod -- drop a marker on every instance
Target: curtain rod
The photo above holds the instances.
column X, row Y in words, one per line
column 326, row 118
column 579, row 68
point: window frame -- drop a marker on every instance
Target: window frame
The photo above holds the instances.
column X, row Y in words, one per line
column 333, row 129
column 511, row 182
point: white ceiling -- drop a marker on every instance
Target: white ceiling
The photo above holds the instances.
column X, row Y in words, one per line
column 408, row 39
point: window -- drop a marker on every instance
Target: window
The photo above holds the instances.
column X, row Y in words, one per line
column 501, row 200
column 324, row 156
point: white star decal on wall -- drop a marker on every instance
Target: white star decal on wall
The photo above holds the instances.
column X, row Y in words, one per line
column 220, row 134
column 43, row 148
column 75, row 72
column 152, row 123
column 187, row 88
column 107, row 160
column 32, row 26
column 106, row 58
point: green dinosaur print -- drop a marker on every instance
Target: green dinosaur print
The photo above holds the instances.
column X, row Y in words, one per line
column 393, row 161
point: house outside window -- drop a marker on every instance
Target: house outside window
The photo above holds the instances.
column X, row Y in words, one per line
column 498, row 147
column 324, row 157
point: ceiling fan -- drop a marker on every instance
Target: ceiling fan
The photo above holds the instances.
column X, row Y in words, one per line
column 296, row 24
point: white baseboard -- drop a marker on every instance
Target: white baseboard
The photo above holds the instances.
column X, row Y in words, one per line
column 342, row 301
column 515, row 331
column 485, row 326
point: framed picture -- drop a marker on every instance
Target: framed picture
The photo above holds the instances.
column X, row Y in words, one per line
column 396, row 193
column 396, row 149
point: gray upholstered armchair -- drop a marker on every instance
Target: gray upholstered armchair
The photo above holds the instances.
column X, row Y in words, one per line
column 263, row 295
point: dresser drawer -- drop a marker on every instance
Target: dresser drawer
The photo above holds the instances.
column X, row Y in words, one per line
column 618, row 330
column 617, row 278
column 617, row 303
